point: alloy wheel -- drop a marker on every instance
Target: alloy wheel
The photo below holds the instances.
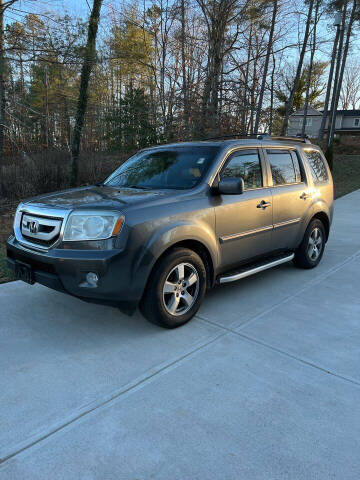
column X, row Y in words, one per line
column 181, row 289
column 315, row 244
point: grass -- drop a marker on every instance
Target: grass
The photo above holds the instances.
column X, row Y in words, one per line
column 5, row 228
column 346, row 174
column 5, row 274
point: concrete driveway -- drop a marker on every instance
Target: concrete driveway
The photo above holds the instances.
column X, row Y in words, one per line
column 263, row 384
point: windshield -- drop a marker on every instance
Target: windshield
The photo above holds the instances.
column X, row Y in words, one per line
column 174, row 168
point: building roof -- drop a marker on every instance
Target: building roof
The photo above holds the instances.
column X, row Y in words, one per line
column 349, row 113
column 312, row 112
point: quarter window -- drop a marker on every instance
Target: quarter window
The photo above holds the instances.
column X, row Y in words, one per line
column 245, row 164
column 285, row 166
column 317, row 166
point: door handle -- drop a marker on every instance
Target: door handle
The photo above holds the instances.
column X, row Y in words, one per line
column 304, row 196
column 263, row 204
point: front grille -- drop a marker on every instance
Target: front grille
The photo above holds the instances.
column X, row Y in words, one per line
column 40, row 230
column 36, row 241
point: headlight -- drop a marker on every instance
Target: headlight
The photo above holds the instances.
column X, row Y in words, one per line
column 81, row 226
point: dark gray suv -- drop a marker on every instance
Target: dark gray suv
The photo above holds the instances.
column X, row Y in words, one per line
column 177, row 219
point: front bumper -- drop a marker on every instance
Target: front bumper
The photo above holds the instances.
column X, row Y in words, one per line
column 65, row 270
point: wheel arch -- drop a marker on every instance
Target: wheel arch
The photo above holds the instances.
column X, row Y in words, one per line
column 323, row 217
column 197, row 247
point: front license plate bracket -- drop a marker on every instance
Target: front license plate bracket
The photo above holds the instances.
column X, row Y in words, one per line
column 24, row 272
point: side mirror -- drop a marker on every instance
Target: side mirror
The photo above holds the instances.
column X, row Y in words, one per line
column 231, row 186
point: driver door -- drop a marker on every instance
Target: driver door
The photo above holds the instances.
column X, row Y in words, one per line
column 244, row 222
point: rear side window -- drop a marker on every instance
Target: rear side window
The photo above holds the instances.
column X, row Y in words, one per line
column 317, row 166
column 245, row 164
column 285, row 166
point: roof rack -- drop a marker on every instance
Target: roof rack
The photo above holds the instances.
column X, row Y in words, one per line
column 233, row 135
column 304, row 139
column 261, row 136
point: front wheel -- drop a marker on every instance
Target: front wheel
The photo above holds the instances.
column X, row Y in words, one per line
column 175, row 289
column 311, row 249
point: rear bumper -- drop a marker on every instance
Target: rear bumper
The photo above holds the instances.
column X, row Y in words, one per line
column 65, row 271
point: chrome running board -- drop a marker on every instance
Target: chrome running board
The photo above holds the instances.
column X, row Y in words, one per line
column 232, row 277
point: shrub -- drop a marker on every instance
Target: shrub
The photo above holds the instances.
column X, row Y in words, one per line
column 48, row 171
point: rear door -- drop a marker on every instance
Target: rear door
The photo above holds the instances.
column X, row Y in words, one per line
column 244, row 222
column 290, row 195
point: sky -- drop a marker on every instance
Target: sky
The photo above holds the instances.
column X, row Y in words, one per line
column 75, row 7
column 81, row 8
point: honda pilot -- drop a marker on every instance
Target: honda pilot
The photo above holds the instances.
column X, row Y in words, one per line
column 175, row 220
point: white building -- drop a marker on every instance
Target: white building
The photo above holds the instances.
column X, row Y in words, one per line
column 347, row 122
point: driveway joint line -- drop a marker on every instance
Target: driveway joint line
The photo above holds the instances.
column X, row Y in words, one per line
column 310, row 284
column 127, row 389
column 282, row 352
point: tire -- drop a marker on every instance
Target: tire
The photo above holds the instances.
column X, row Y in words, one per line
column 310, row 251
column 168, row 303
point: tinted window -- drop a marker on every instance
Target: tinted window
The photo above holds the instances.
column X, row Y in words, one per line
column 317, row 166
column 282, row 167
column 245, row 164
column 296, row 164
column 176, row 167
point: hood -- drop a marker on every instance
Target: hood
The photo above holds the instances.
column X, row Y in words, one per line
column 102, row 197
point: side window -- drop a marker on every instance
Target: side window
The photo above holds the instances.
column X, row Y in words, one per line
column 285, row 166
column 317, row 166
column 296, row 164
column 245, row 164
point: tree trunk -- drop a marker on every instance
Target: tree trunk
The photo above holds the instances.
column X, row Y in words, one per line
column 46, row 107
column 308, row 79
column 272, row 95
column 2, row 78
column 90, row 54
column 217, row 21
column 329, row 85
column 342, row 68
column 266, row 67
column 290, row 102
column 184, row 77
column 246, row 78
column 332, row 119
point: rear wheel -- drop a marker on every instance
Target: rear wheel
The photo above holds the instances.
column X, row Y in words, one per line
column 311, row 249
column 175, row 289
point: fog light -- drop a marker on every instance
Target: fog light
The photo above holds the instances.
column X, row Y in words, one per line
column 92, row 279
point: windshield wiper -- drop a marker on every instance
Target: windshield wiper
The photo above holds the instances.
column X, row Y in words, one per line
column 139, row 187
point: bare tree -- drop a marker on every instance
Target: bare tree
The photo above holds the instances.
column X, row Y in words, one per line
column 329, row 84
column 310, row 71
column 266, row 66
column 350, row 88
column 185, row 89
column 218, row 15
column 290, row 101
column 342, row 69
column 4, row 5
column 332, row 117
column 89, row 59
